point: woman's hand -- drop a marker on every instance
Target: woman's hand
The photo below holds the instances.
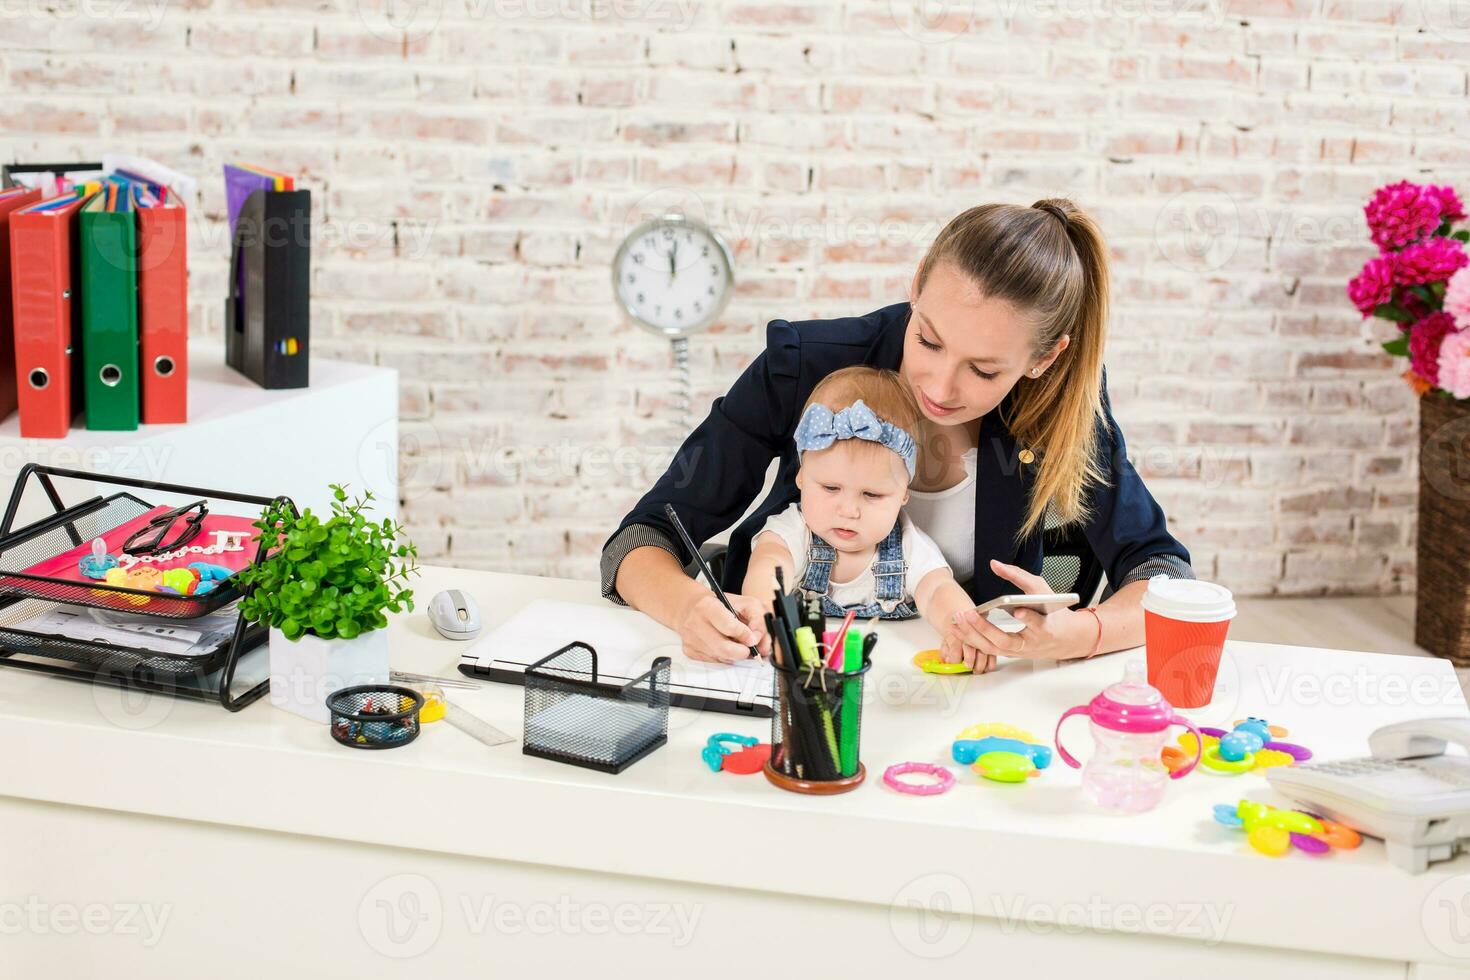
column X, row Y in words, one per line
column 1059, row 635
column 953, row 651
column 712, row 635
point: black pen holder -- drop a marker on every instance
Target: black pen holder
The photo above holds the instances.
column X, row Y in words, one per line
column 575, row 717
column 375, row 716
column 816, row 729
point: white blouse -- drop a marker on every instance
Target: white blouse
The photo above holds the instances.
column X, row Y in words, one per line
column 948, row 516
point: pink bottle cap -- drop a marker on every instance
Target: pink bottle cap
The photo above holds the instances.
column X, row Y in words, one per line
column 1132, row 704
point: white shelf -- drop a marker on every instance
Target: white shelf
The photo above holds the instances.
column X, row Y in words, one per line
column 244, row 438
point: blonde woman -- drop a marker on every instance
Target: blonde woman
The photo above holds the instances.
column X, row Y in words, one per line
column 1001, row 345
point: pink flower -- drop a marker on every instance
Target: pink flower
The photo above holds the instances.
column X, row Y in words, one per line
column 1424, row 344
column 1402, row 213
column 1457, row 298
column 1374, row 285
column 1450, row 206
column 1432, row 260
column 1454, row 364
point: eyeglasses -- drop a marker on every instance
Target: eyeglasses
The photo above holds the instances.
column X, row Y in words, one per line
column 155, row 536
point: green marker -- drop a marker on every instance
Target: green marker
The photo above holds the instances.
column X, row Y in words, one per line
column 852, row 695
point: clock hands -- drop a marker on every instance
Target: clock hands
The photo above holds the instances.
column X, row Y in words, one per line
column 673, row 261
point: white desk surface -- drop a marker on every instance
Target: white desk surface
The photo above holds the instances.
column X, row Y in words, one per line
column 668, row 816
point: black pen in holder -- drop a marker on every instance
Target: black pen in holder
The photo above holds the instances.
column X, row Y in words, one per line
column 817, row 723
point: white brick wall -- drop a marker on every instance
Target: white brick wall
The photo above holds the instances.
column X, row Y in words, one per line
column 475, row 167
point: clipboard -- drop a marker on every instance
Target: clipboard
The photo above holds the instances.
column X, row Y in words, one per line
column 627, row 643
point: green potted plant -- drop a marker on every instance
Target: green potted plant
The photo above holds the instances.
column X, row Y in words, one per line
column 326, row 589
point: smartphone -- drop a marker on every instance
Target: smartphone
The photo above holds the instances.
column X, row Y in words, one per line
column 1040, row 603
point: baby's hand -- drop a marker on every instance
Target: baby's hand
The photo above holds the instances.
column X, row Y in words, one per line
column 953, row 650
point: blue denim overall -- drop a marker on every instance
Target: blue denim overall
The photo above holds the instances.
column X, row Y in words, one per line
column 888, row 574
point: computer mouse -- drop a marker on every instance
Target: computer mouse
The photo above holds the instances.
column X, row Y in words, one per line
column 455, row 615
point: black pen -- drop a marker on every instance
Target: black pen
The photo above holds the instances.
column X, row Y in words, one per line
column 689, row 543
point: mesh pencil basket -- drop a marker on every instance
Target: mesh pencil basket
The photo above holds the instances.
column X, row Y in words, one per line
column 375, row 716
column 573, row 717
column 816, row 729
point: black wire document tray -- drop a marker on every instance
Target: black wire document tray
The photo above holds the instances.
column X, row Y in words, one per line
column 55, row 624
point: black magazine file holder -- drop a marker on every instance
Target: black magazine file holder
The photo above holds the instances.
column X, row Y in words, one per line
column 272, row 246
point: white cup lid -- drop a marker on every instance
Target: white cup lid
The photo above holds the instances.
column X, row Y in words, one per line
column 1188, row 600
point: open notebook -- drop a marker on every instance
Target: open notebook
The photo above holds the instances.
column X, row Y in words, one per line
column 626, row 642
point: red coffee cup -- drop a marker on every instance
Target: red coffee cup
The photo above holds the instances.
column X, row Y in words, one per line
column 1184, row 627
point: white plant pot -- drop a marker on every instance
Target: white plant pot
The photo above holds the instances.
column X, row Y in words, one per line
column 305, row 671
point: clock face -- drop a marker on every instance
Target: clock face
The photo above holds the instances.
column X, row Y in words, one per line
column 673, row 275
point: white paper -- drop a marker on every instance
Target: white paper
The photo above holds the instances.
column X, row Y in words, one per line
column 626, row 641
column 183, row 638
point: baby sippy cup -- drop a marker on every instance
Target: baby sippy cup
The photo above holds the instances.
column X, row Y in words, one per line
column 1130, row 724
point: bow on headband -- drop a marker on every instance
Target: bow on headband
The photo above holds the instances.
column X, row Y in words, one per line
column 820, row 427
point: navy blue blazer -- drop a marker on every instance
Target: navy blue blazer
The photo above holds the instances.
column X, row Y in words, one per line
column 722, row 465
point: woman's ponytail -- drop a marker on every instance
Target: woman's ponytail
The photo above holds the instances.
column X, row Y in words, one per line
column 1049, row 261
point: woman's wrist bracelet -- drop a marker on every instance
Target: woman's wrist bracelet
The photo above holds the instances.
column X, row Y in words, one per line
column 1097, row 644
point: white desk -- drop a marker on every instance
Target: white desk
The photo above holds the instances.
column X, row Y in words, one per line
column 285, row 441
column 261, row 845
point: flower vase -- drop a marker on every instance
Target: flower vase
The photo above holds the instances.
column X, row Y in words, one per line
column 1442, row 607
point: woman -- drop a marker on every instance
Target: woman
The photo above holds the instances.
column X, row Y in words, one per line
column 1001, row 343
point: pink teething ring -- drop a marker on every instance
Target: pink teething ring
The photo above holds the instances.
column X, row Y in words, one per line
column 945, row 777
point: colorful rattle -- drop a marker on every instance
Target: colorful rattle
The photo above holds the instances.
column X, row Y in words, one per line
column 123, row 579
column 966, row 750
column 1000, row 752
column 1273, row 831
column 931, row 662
column 1252, row 745
column 96, row 564
column 944, row 776
column 721, row 758
column 1006, row 767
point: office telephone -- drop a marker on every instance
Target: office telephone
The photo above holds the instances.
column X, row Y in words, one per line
column 1408, row 792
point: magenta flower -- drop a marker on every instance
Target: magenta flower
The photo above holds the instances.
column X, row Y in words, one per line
column 1425, row 337
column 1450, row 206
column 1402, row 213
column 1432, row 260
column 1374, row 285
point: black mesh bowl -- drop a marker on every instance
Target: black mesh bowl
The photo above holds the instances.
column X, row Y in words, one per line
column 359, row 718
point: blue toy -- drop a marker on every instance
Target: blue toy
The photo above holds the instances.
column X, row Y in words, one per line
column 1248, row 737
column 715, row 750
column 966, row 750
